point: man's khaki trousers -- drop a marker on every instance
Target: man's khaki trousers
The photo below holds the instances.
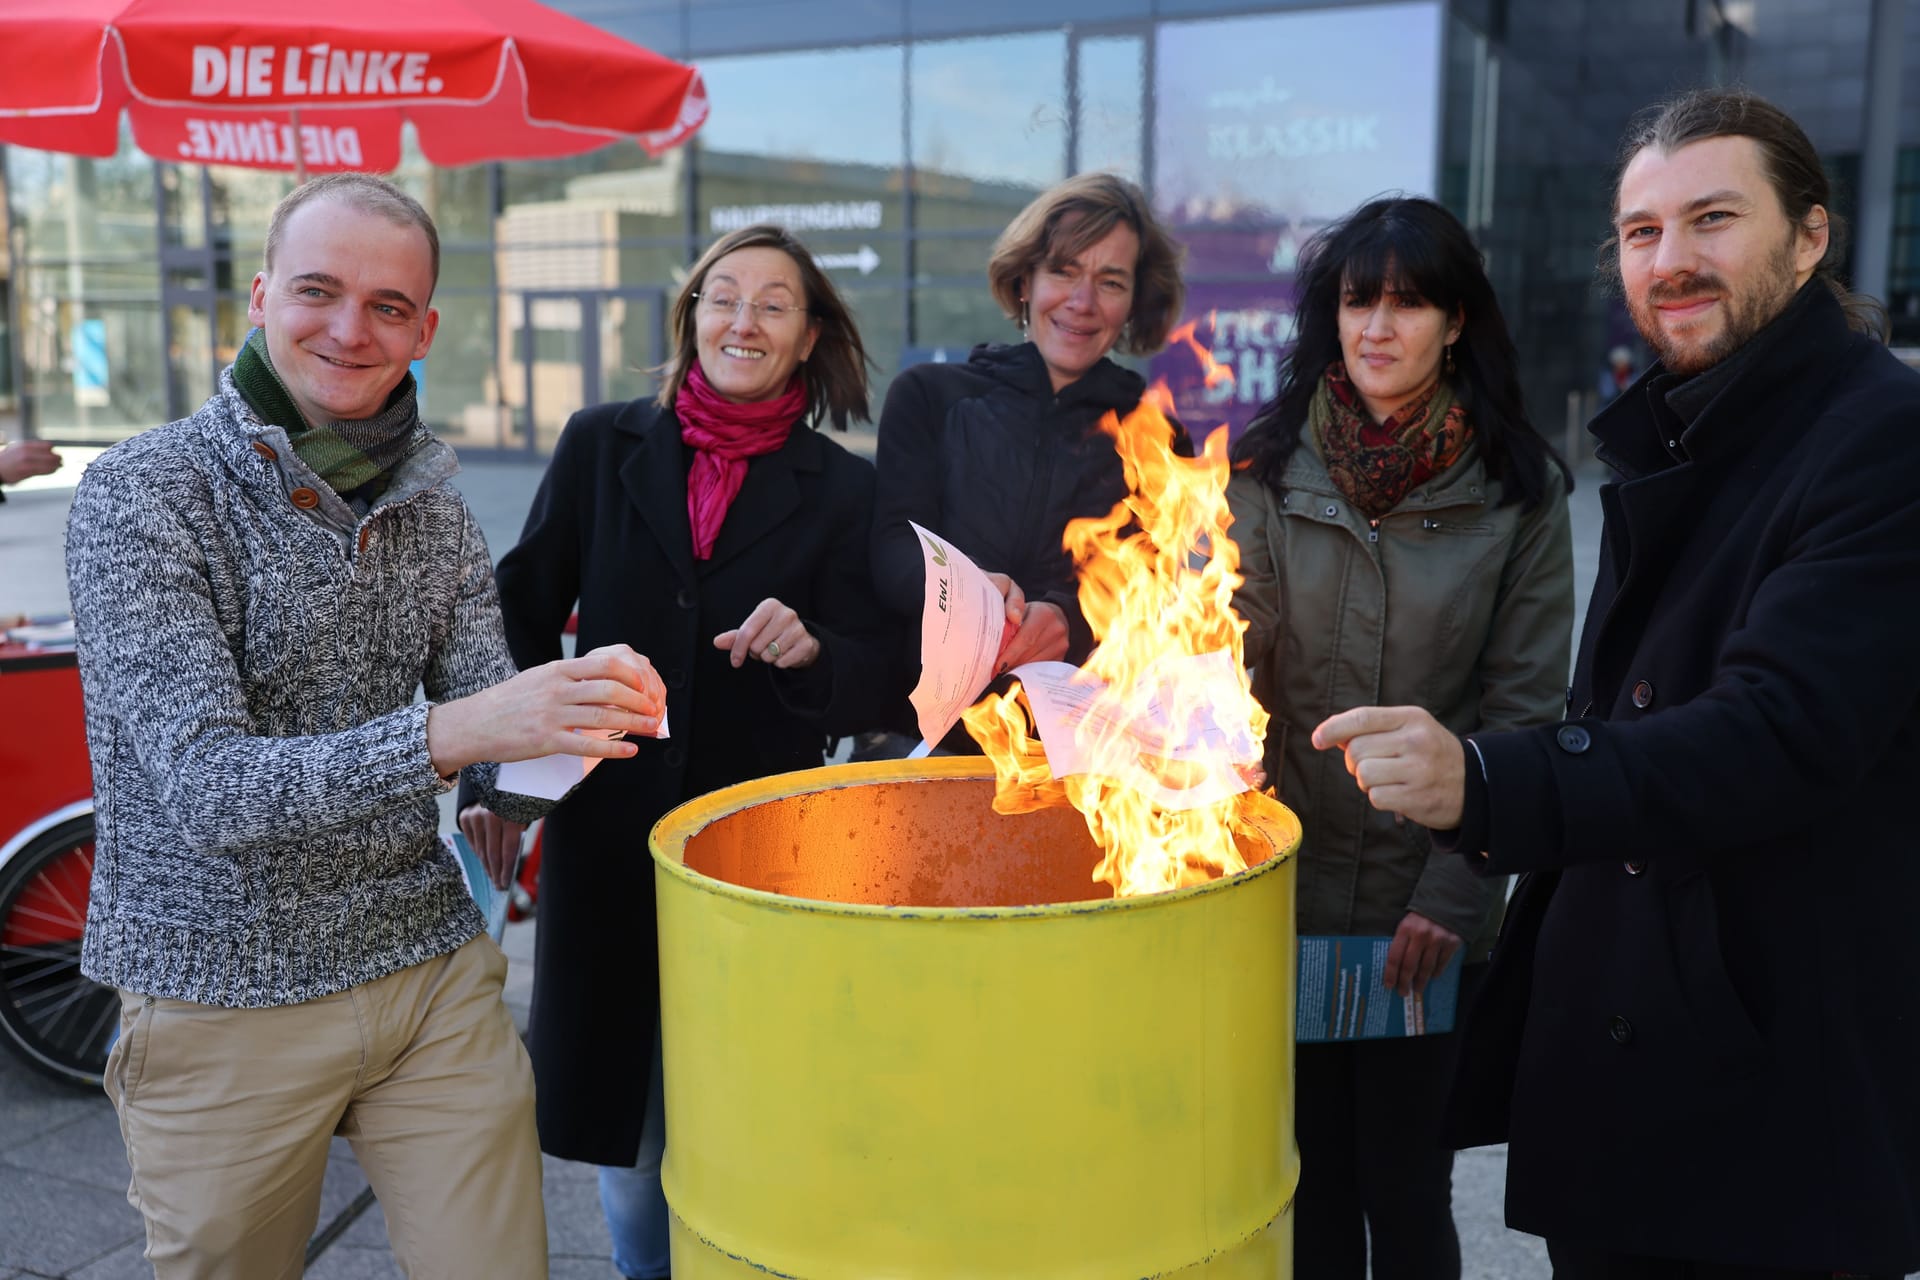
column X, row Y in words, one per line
column 228, row 1115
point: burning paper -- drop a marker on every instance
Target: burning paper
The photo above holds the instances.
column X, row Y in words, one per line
column 1167, row 708
column 963, row 625
column 1132, row 736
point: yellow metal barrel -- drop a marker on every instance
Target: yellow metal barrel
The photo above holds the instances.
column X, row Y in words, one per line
column 905, row 1036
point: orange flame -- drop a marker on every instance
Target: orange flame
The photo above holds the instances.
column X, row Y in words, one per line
column 1214, row 373
column 1157, row 576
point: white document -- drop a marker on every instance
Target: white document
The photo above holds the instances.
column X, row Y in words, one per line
column 962, row 625
column 1182, row 759
column 551, row 777
column 545, row 777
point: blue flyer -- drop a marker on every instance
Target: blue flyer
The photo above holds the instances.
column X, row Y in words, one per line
column 1341, row 998
column 492, row 902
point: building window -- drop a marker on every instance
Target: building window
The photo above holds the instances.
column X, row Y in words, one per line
column 989, row 127
column 89, row 293
column 1109, row 99
column 809, row 140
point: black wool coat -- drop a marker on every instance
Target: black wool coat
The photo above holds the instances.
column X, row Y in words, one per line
column 1701, row 1030
column 609, row 529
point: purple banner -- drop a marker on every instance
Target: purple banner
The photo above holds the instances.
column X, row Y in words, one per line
column 1244, row 329
column 1267, row 128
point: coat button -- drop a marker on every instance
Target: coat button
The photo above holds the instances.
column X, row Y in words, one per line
column 366, row 532
column 265, row 450
column 1620, row 1029
column 1643, row 695
column 1636, row 867
column 684, row 599
column 676, row 679
column 1573, row 739
column 305, row 498
column 675, row 757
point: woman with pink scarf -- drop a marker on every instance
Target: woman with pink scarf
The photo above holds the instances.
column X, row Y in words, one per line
column 716, row 531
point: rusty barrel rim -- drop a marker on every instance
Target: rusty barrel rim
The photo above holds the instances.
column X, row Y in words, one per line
column 1278, row 825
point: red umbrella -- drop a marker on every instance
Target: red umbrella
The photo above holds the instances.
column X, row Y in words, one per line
column 246, row 82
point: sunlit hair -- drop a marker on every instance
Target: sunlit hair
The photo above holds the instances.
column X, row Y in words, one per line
column 1406, row 244
column 362, row 191
column 1065, row 221
column 1787, row 157
column 836, row 372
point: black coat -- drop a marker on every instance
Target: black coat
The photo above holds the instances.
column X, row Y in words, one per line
column 609, row 527
column 1701, row 1031
column 986, row 455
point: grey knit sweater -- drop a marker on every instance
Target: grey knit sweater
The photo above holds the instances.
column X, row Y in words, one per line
column 250, row 652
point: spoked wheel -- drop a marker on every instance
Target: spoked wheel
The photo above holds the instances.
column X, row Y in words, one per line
column 61, row 1021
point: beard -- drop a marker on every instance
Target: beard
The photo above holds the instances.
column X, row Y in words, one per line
column 1745, row 313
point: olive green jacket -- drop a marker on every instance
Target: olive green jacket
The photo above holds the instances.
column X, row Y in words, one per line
column 1449, row 602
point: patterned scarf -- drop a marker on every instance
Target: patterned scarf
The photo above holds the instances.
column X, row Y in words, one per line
column 724, row 435
column 356, row 459
column 1376, row 464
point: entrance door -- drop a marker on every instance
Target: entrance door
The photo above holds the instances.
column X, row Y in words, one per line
column 578, row 348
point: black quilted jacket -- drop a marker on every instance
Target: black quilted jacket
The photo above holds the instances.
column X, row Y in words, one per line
column 985, row 454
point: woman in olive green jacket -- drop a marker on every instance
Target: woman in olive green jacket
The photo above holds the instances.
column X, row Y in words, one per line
column 1404, row 537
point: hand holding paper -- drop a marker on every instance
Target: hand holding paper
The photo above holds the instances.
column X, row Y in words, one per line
column 491, row 899
column 495, row 839
column 962, row 627
column 1421, row 949
column 577, row 707
column 1036, row 629
column 1168, row 746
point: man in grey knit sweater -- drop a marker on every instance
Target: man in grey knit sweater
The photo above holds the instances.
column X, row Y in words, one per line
column 259, row 591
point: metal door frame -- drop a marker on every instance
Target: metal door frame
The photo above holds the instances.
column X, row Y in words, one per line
column 593, row 379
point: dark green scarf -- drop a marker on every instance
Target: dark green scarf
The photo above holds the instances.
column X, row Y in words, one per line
column 357, row 458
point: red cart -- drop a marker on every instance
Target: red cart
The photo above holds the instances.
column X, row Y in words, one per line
column 61, row 1021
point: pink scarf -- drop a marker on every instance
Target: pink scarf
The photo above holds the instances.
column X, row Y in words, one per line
column 724, row 435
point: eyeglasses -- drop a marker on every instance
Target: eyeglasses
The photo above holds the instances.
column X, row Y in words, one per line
column 725, row 304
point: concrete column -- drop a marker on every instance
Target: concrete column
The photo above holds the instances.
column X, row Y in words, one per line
column 1879, row 148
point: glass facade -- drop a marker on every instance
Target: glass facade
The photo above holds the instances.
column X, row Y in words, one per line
column 1252, row 158
column 898, row 137
column 85, row 288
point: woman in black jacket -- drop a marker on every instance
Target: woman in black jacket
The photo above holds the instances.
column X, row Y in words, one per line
column 713, row 530
column 999, row 453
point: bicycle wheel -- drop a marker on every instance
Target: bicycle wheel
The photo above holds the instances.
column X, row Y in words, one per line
column 61, row 1021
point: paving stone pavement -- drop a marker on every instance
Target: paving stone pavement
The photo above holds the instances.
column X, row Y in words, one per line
column 64, row 1212
column 63, row 1185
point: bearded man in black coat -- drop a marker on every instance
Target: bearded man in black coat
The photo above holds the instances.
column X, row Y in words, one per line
column 1701, row 1030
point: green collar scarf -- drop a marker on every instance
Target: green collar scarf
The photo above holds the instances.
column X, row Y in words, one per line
column 356, row 459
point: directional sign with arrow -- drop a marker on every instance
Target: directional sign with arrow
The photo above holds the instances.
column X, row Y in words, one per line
column 865, row 259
